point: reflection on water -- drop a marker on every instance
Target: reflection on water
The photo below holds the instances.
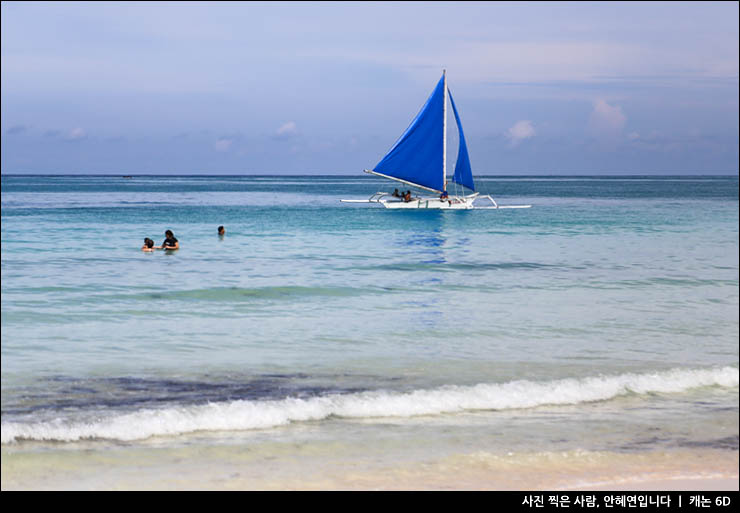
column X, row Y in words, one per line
column 428, row 246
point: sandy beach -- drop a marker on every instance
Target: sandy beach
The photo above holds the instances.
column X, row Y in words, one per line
column 676, row 484
column 328, row 466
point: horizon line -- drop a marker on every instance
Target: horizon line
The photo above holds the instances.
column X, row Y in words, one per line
column 653, row 175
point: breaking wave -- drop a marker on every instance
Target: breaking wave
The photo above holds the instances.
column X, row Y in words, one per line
column 255, row 414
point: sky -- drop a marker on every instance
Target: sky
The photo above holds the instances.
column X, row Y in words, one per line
column 545, row 88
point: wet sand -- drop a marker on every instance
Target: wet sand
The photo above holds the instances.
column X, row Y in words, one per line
column 312, row 467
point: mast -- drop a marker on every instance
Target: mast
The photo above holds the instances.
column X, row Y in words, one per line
column 444, row 134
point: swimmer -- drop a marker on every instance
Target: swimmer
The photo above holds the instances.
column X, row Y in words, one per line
column 170, row 242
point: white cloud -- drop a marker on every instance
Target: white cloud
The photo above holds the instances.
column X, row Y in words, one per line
column 521, row 130
column 606, row 121
column 286, row 130
column 223, row 144
column 75, row 134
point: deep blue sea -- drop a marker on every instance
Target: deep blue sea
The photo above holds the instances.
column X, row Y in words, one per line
column 600, row 323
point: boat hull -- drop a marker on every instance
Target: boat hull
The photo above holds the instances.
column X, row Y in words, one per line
column 452, row 203
column 433, row 203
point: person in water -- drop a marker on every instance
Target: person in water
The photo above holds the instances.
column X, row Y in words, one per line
column 221, row 231
column 148, row 245
column 170, row 242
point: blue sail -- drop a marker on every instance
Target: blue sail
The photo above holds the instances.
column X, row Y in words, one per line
column 463, row 174
column 417, row 155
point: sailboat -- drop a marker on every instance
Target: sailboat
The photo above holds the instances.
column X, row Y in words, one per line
column 419, row 159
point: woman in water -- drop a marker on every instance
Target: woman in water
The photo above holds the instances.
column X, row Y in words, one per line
column 170, row 242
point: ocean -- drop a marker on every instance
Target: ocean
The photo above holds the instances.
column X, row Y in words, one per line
column 589, row 340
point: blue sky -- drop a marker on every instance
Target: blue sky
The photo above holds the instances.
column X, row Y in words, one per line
column 326, row 88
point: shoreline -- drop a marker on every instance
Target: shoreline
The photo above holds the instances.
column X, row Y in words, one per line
column 334, row 466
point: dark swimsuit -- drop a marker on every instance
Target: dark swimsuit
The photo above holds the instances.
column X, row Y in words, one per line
column 169, row 242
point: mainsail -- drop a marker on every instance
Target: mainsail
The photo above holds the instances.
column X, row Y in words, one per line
column 418, row 155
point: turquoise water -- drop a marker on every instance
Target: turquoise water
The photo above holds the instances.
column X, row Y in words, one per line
column 613, row 300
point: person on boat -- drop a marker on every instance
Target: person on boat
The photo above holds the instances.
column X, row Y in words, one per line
column 444, row 196
column 407, row 196
column 148, row 245
column 396, row 194
column 170, row 242
column 221, row 231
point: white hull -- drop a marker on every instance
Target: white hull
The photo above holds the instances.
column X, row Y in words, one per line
column 451, row 203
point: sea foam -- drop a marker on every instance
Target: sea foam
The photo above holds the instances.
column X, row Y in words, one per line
column 245, row 415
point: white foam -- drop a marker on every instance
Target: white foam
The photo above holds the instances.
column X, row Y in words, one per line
column 243, row 415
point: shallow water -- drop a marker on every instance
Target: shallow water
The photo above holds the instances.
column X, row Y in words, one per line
column 604, row 318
